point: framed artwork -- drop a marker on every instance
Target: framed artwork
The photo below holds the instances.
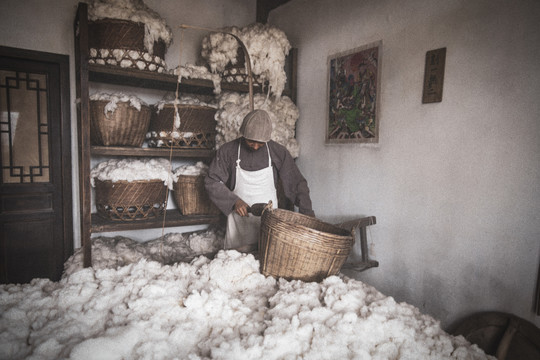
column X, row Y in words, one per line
column 353, row 95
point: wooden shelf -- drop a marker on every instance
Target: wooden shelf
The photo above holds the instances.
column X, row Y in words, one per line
column 172, row 218
column 146, row 79
column 151, row 152
column 114, row 75
column 160, row 81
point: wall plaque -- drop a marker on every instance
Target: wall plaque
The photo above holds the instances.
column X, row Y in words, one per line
column 434, row 76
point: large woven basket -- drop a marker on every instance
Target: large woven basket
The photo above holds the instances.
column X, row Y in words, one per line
column 191, row 197
column 299, row 247
column 126, row 126
column 121, row 43
column 197, row 127
column 130, row 200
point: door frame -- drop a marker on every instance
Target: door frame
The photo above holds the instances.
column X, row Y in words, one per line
column 62, row 64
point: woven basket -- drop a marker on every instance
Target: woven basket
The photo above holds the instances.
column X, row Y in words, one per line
column 126, row 126
column 191, row 197
column 121, row 43
column 299, row 247
column 130, row 200
column 197, row 127
column 237, row 73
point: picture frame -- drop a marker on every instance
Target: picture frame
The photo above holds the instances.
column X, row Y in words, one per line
column 354, row 95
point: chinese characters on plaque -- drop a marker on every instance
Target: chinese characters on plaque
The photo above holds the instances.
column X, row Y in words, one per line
column 434, row 76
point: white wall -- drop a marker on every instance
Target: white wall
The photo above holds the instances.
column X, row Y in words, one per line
column 455, row 186
column 45, row 25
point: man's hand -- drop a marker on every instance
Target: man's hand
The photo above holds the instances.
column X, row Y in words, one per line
column 241, row 207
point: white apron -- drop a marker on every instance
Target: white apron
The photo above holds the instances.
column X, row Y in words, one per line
column 253, row 187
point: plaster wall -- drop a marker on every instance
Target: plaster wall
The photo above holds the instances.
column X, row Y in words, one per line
column 455, row 185
column 48, row 26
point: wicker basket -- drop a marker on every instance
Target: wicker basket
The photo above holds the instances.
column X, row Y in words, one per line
column 237, row 73
column 197, row 127
column 126, row 126
column 130, row 200
column 121, row 43
column 299, row 247
column 191, row 197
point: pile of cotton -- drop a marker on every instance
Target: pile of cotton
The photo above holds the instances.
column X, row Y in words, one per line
column 136, row 11
column 196, row 169
column 267, row 47
column 114, row 98
column 118, row 251
column 220, row 308
column 233, row 107
column 132, row 169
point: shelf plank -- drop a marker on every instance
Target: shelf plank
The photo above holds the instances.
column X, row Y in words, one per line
column 172, row 218
column 162, row 152
column 147, row 79
column 153, row 80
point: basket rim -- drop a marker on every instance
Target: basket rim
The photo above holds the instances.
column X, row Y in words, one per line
column 191, row 176
column 129, row 182
column 185, row 105
column 343, row 233
column 108, row 19
column 120, row 103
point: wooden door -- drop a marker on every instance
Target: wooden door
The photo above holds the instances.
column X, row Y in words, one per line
column 35, row 178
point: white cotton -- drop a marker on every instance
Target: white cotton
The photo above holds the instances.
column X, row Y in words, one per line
column 196, row 169
column 118, row 251
column 233, row 107
column 134, row 306
column 205, row 242
column 132, row 169
column 185, row 100
column 136, row 11
column 267, row 47
column 115, row 98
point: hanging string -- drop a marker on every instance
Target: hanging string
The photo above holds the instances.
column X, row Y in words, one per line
column 267, row 96
column 176, row 117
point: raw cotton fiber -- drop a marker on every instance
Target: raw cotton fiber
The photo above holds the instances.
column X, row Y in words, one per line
column 133, row 169
column 115, row 98
column 233, row 107
column 267, row 47
column 220, row 308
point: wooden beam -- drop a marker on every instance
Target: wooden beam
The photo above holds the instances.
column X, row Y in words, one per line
column 265, row 6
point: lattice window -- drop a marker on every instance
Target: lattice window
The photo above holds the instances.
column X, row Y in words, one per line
column 24, row 127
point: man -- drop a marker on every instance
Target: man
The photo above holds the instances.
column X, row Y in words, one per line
column 245, row 171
